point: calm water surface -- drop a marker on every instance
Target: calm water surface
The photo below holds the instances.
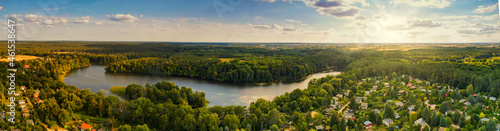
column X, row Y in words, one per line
column 96, row 79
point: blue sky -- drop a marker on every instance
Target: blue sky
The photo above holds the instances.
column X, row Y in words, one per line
column 329, row 21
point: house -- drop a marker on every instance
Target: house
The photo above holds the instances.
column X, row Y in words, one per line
column 22, row 88
column 340, row 95
column 401, row 92
column 377, row 81
column 423, row 90
column 25, row 110
column 467, row 117
column 442, row 128
column 347, row 93
column 17, row 94
column 26, row 114
column 359, row 99
column 396, row 115
column 386, row 84
column 373, row 90
column 37, row 91
column 22, row 105
column 30, row 122
column 319, row 128
column 426, row 102
column 38, row 100
column 26, row 66
column 409, row 84
column 399, row 103
column 450, row 112
column 367, row 124
column 455, row 126
column 411, row 107
column 432, row 106
column 484, row 120
column 348, row 115
column 419, row 121
column 364, row 106
column 85, row 126
column 467, row 103
column 387, row 121
column 413, row 87
column 367, row 92
column 403, row 83
column 462, row 100
column 375, row 87
column 377, row 111
column 21, row 101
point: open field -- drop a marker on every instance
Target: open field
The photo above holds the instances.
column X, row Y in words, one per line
column 19, row 58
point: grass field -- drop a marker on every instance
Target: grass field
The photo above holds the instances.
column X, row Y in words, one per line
column 226, row 59
column 19, row 58
column 118, row 90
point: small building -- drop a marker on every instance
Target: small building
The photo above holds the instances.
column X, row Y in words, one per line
column 386, row 84
column 492, row 98
column 30, row 122
column 359, row 99
column 335, row 98
column 367, row 92
column 396, row 115
column 21, row 101
column 364, row 106
column 387, row 121
column 373, row 90
column 449, row 112
column 85, row 126
column 377, row 111
column 340, row 95
column 319, row 128
column 432, row 106
column 348, row 115
column 467, row 117
column 375, row 87
column 25, row 110
column 37, row 91
column 462, row 100
column 455, row 126
column 346, row 93
column 442, row 128
column 467, row 103
column 411, row 107
column 367, row 124
column 22, row 105
column 22, row 88
column 26, row 114
column 484, row 120
column 419, row 121
column 388, row 100
column 17, row 93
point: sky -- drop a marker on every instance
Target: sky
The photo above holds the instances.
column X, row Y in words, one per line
column 309, row 21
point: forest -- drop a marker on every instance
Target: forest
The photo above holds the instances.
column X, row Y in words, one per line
column 166, row 106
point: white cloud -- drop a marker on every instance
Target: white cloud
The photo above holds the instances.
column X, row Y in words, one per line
column 340, row 12
column 14, row 17
column 273, row 26
column 293, row 21
column 425, row 3
column 33, row 18
column 98, row 23
column 488, row 9
column 424, row 23
column 124, row 18
column 85, row 19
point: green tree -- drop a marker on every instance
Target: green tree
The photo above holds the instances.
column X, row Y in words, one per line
column 125, row 128
column 388, row 111
column 442, row 121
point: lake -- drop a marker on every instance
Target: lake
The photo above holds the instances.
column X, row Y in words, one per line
column 96, row 79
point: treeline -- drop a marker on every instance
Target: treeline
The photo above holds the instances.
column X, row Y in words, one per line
column 247, row 69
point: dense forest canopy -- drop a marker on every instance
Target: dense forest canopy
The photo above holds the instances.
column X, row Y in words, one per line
column 462, row 71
